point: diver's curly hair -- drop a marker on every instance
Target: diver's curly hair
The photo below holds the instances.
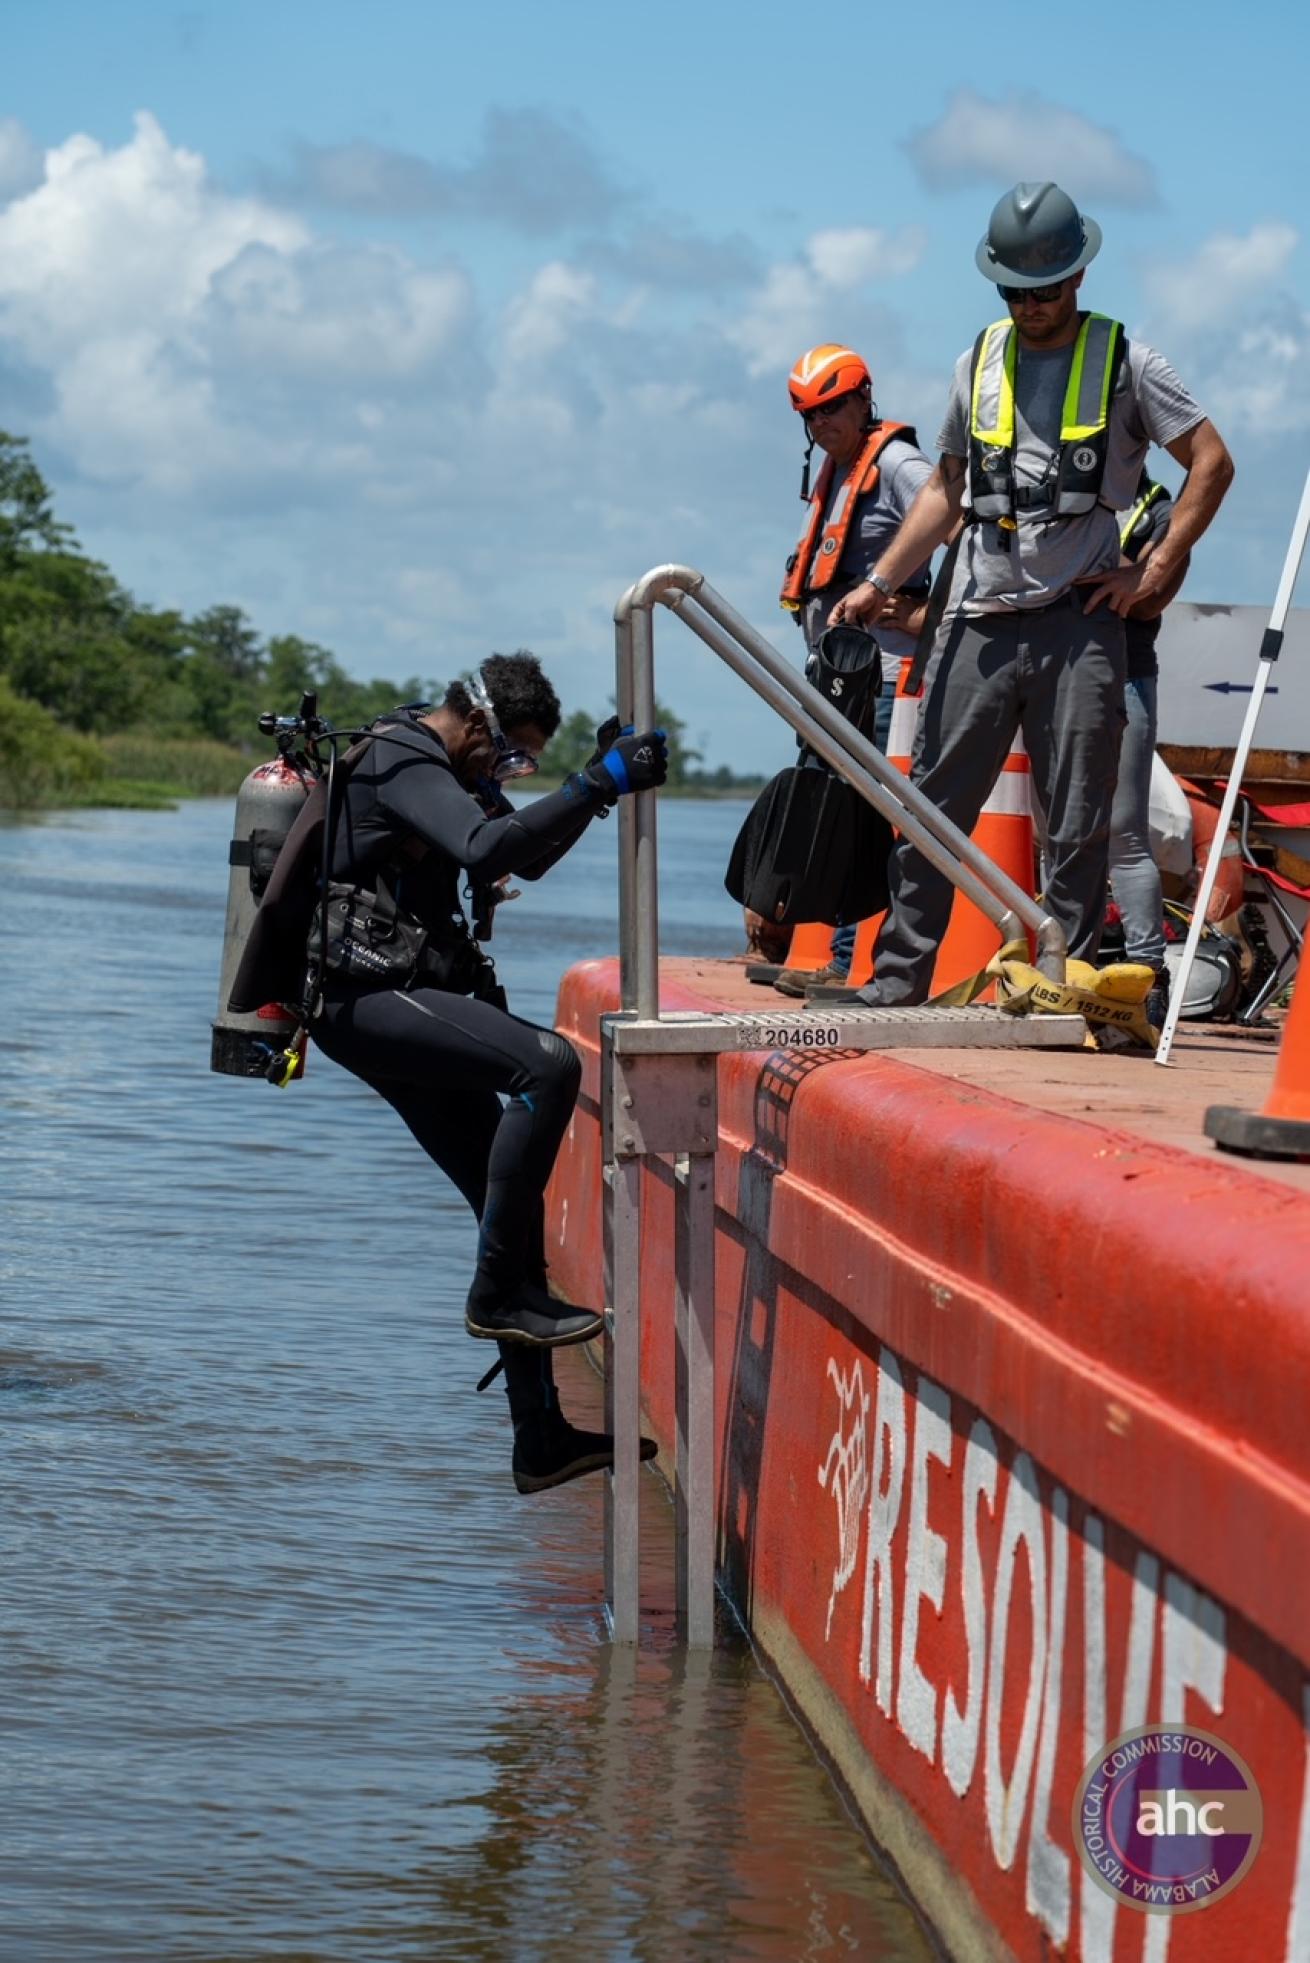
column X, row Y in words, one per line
column 519, row 692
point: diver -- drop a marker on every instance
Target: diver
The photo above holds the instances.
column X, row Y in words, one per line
column 432, row 1034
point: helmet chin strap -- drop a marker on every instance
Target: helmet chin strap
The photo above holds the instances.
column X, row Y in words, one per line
column 805, row 469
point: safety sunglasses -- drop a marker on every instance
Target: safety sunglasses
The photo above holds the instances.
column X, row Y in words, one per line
column 1014, row 296
column 509, row 763
column 825, row 409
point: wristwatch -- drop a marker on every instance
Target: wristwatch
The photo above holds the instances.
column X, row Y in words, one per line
column 883, row 586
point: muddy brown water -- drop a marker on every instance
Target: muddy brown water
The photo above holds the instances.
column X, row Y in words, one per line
column 287, row 1669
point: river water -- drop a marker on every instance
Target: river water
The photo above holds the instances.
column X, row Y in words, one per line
column 287, row 1669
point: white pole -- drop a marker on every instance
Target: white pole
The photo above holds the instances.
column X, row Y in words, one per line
column 1269, row 649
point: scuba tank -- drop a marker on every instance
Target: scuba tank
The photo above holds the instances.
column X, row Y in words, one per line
column 268, row 803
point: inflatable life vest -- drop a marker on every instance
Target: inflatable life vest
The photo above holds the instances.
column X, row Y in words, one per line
column 1098, row 356
column 1132, row 534
column 820, row 546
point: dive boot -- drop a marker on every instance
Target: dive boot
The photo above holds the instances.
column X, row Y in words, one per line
column 548, row 1451
column 529, row 1315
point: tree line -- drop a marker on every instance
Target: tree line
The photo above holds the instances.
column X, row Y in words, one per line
column 97, row 689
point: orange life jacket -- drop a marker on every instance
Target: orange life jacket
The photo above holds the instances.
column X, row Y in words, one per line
column 825, row 552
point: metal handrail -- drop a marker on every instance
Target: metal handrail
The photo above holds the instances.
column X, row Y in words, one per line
column 824, row 730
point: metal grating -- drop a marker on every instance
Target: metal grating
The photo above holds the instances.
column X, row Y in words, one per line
column 811, row 1032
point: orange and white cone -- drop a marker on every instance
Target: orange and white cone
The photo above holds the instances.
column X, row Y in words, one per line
column 811, row 947
column 1282, row 1129
column 1005, row 832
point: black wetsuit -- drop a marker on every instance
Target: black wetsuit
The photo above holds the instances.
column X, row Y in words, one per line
column 442, row 1060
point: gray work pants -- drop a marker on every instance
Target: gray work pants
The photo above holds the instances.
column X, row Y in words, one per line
column 1058, row 675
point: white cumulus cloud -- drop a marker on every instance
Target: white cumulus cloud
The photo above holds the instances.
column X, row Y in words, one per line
column 21, row 163
column 1024, row 137
column 182, row 328
column 1220, row 279
column 118, row 240
column 1229, row 317
column 797, row 302
column 330, row 310
column 856, row 253
column 540, row 320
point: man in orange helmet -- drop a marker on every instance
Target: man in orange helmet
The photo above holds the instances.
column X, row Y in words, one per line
column 870, row 477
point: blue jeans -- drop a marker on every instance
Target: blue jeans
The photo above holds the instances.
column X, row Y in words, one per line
column 843, row 940
column 1134, row 874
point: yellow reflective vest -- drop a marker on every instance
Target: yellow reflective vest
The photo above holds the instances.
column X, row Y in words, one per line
column 1098, row 355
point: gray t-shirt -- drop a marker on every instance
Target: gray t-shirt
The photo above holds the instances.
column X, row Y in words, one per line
column 1046, row 555
column 902, row 469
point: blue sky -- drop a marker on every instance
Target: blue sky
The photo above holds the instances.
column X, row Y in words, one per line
column 422, row 330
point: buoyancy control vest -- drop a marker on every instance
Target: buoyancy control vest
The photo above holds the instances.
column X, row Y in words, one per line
column 1098, row 356
column 274, row 963
column 813, row 565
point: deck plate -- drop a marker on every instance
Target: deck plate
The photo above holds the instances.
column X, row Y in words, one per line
column 979, row 1027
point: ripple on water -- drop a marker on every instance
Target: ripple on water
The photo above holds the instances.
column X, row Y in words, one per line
column 290, row 1671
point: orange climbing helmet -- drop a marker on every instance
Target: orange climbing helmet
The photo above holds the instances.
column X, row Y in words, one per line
column 823, row 373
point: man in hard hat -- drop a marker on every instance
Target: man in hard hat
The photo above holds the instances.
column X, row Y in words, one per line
column 1048, row 422
column 872, row 472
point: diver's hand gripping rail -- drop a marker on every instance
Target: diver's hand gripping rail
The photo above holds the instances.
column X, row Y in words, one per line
column 852, row 756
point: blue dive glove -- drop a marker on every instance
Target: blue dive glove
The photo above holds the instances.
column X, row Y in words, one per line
column 631, row 763
column 608, row 733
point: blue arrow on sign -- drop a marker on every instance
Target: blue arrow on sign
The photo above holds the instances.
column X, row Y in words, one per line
column 1236, row 688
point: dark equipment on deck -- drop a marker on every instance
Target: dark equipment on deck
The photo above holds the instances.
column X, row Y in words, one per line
column 812, row 849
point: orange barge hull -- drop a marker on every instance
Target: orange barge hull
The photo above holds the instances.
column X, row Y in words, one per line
column 1014, row 1456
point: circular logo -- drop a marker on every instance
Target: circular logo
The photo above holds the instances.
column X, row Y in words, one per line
column 1167, row 1819
column 829, row 545
column 1084, row 458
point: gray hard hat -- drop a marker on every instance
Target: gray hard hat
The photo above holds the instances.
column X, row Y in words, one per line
column 1037, row 235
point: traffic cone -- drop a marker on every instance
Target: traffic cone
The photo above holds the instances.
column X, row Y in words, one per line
column 1005, row 833
column 1282, row 1129
column 811, row 947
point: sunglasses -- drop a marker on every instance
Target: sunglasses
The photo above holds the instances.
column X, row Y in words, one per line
column 1014, row 296
column 826, row 409
column 509, row 763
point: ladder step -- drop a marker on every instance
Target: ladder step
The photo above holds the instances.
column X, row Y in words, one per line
column 974, row 1028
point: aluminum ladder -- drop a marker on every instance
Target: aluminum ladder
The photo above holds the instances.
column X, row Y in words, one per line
column 659, row 1072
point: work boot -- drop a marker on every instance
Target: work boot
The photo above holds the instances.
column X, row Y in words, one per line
column 799, row 981
column 529, row 1315
column 548, row 1451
